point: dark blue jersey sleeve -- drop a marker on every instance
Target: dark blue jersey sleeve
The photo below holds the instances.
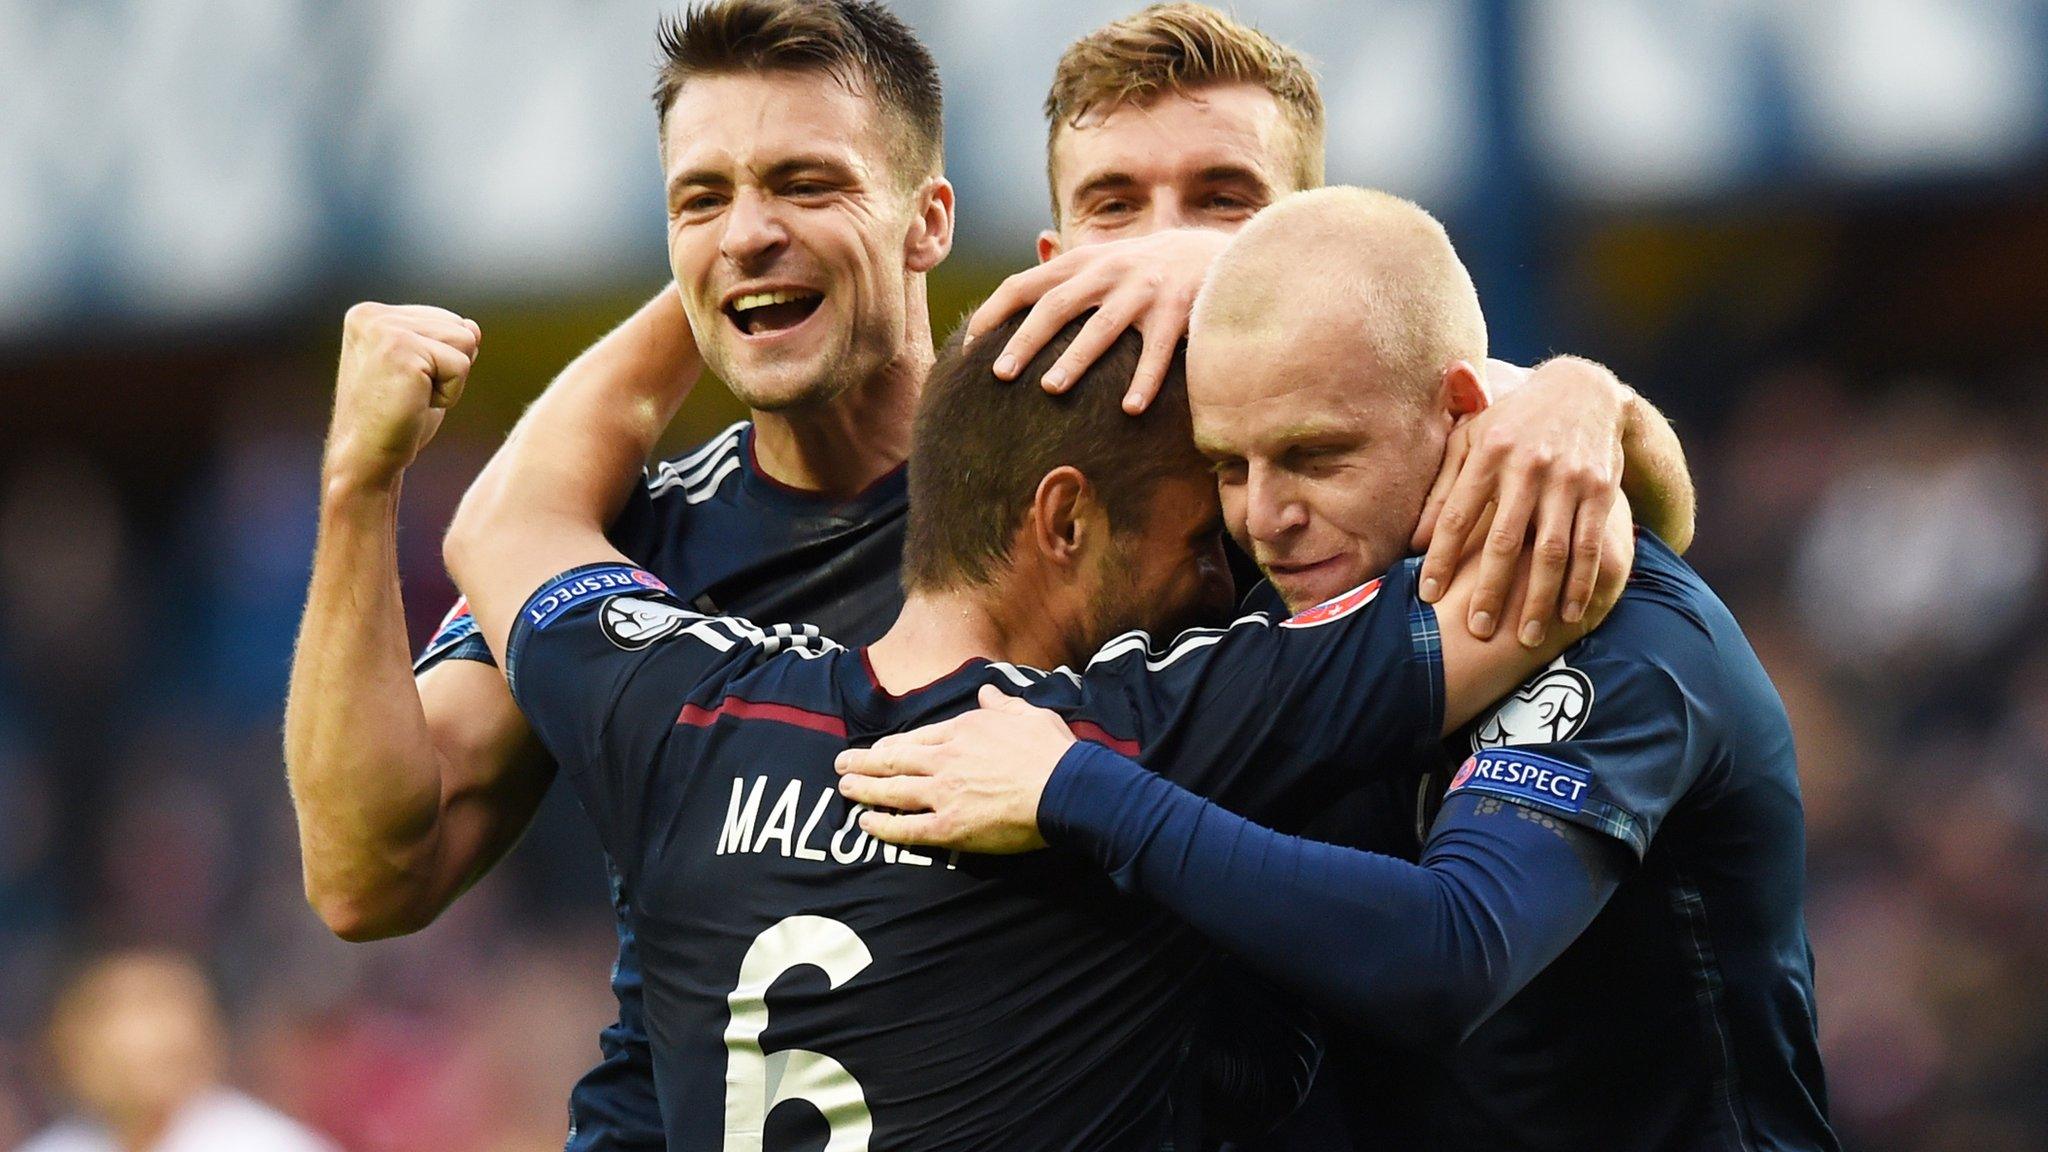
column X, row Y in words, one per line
column 603, row 661
column 637, row 532
column 1418, row 952
column 1611, row 735
column 455, row 638
column 1274, row 717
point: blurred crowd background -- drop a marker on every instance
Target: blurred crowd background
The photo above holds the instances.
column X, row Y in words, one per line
column 1815, row 233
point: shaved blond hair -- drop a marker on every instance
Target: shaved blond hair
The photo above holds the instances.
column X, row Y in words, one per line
column 1361, row 259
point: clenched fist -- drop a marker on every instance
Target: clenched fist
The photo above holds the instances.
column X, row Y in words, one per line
column 402, row 367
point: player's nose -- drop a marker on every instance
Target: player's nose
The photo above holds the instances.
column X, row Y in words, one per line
column 1271, row 507
column 754, row 231
column 1170, row 211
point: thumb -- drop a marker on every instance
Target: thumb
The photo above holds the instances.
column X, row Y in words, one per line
column 996, row 700
column 447, row 390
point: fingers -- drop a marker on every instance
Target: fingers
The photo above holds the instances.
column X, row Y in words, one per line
column 1462, row 511
column 906, row 756
column 916, row 828
column 1161, row 341
column 1095, row 338
column 996, row 700
column 1588, row 537
column 1455, row 450
column 1553, row 552
column 448, row 370
column 1501, row 553
column 902, row 793
column 450, row 328
column 1013, row 294
column 1048, row 315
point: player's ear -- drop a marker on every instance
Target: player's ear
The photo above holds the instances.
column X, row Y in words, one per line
column 1048, row 245
column 1463, row 389
column 931, row 233
column 1061, row 509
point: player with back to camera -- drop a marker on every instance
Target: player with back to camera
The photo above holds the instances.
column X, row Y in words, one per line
column 1604, row 943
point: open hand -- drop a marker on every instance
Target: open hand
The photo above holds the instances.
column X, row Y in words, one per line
column 1144, row 282
column 971, row 783
column 1547, row 458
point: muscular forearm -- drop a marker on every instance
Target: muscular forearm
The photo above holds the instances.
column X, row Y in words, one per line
column 1654, row 475
column 1421, row 953
column 541, row 504
column 365, row 777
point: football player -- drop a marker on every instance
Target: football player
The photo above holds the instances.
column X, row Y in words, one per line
column 1603, row 944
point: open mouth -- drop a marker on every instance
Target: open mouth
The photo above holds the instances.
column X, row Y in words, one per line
column 760, row 313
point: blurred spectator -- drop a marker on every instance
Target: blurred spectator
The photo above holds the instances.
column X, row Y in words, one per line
column 139, row 1044
column 1926, row 551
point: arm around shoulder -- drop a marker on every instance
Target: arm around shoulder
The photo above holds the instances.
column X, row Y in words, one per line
column 1478, row 672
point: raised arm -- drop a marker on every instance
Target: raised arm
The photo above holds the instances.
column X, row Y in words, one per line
column 408, row 790
column 541, row 505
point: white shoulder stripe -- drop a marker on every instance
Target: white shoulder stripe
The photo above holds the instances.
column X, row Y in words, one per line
column 709, row 488
column 1192, row 640
column 1014, row 674
column 692, row 470
column 710, row 447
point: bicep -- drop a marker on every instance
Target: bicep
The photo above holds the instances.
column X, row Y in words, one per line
column 494, row 770
column 507, row 574
column 1655, row 477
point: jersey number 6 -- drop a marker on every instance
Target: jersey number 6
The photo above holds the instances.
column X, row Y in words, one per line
column 755, row 1082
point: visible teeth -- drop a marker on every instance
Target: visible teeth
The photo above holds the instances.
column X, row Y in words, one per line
column 763, row 299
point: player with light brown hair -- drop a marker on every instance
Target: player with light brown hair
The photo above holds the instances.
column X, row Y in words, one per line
column 1173, row 49
column 1169, row 129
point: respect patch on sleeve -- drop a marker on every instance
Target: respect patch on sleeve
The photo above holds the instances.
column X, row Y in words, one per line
column 579, row 585
column 1514, row 774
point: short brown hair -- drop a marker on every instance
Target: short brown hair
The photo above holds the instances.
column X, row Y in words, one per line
column 981, row 445
column 1177, row 47
column 862, row 45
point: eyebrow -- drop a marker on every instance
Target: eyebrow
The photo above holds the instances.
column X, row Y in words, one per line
column 781, row 170
column 1306, row 431
column 1223, row 173
column 1106, row 182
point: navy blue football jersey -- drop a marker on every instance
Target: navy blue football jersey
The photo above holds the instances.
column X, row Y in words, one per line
column 913, row 999
column 1683, row 1017
column 734, row 541
column 728, row 538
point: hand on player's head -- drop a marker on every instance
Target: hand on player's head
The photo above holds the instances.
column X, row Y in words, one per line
column 402, row 367
column 1142, row 282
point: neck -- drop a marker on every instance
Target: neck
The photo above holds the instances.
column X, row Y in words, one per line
column 939, row 631
column 841, row 447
